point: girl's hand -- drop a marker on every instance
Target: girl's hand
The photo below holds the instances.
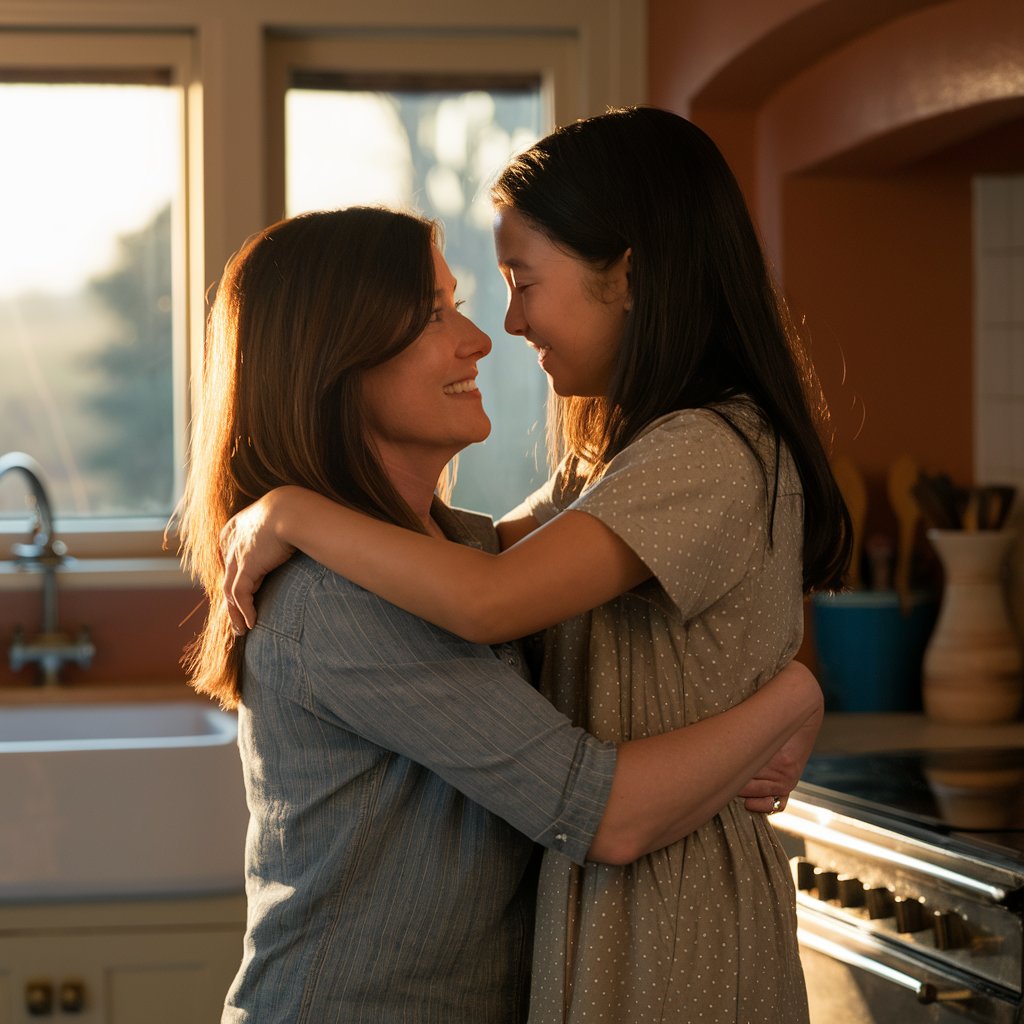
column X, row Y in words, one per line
column 251, row 549
column 768, row 792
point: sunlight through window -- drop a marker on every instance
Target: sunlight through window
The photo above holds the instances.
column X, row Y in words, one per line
column 86, row 308
column 434, row 151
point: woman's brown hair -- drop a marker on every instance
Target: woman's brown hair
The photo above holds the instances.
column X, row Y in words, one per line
column 302, row 310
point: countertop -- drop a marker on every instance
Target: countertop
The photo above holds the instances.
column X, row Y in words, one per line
column 857, row 733
column 130, row 693
column 841, row 733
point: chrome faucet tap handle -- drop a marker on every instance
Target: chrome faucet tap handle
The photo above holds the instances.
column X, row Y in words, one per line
column 42, row 537
column 51, row 648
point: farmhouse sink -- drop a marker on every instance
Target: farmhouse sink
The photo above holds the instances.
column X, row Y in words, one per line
column 117, row 800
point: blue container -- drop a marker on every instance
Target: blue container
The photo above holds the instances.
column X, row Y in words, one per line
column 869, row 651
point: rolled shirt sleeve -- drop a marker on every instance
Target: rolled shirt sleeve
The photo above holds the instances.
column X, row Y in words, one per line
column 456, row 709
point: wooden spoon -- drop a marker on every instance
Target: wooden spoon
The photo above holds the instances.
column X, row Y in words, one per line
column 903, row 474
column 851, row 486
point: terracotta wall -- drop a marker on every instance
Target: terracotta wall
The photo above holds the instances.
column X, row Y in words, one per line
column 139, row 635
column 855, row 128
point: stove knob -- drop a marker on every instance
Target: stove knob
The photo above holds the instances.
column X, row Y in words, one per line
column 909, row 914
column 879, row 902
column 851, row 891
column 803, row 873
column 827, row 883
column 950, row 930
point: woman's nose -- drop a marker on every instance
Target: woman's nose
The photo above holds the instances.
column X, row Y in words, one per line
column 475, row 342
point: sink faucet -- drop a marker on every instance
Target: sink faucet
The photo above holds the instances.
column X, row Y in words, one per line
column 50, row 649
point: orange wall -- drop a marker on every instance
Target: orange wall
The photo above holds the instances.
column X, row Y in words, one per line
column 856, row 144
column 139, row 635
column 882, row 270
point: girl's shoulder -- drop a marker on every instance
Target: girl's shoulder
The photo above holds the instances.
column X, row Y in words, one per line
column 725, row 426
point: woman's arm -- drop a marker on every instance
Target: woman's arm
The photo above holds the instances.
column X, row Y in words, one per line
column 668, row 785
column 567, row 566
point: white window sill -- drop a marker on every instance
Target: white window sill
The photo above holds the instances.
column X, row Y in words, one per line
column 100, row 574
column 108, row 553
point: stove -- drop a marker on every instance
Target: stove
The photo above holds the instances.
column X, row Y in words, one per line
column 909, row 868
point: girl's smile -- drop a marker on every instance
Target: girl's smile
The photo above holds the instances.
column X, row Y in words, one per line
column 570, row 312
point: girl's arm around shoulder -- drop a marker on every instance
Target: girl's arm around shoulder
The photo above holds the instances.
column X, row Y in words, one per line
column 571, row 564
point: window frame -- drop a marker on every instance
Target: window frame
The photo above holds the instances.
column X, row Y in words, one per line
column 551, row 57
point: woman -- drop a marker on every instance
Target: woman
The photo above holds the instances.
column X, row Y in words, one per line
column 388, row 764
column 694, row 506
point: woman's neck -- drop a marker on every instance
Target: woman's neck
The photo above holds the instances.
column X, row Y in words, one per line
column 415, row 482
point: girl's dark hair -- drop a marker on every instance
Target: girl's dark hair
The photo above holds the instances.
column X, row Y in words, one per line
column 706, row 322
column 302, row 310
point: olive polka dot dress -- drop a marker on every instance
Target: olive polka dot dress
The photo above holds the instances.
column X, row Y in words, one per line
column 703, row 931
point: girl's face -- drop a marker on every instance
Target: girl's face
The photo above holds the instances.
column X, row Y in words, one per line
column 571, row 314
column 423, row 404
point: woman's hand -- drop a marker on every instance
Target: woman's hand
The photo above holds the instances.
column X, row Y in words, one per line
column 251, row 548
column 768, row 791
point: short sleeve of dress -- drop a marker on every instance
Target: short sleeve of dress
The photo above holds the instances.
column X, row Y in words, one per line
column 688, row 497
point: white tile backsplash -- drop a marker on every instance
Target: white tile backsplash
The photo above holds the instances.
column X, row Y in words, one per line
column 1016, row 218
column 999, row 352
column 993, row 215
column 999, row 328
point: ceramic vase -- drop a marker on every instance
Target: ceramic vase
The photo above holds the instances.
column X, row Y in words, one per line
column 972, row 671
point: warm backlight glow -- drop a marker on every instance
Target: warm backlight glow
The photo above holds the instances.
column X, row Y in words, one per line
column 83, row 165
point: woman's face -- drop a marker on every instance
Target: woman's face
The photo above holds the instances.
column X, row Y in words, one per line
column 423, row 405
column 571, row 314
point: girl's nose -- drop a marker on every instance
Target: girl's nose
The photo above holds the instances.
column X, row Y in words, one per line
column 515, row 322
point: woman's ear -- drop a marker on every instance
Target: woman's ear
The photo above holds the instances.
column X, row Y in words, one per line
column 627, row 263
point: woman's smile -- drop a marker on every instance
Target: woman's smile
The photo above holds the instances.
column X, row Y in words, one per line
column 462, row 387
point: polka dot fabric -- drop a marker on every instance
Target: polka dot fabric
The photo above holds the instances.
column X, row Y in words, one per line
column 704, row 931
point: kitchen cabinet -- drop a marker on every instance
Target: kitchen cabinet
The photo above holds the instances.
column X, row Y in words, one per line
column 129, row 962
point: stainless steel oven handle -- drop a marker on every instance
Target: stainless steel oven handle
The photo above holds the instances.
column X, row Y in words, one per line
column 926, row 991
column 789, row 821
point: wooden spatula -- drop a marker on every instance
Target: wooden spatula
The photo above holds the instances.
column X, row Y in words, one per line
column 903, row 474
column 851, row 485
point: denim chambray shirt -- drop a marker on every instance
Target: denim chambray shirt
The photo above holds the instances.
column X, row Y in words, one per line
column 397, row 778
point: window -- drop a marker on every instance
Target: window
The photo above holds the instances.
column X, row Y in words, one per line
column 92, row 302
column 415, row 137
column 221, row 73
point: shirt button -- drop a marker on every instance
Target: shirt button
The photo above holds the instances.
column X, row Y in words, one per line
column 561, row 838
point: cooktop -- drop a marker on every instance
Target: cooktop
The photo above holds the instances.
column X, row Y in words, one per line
column 976, row 794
